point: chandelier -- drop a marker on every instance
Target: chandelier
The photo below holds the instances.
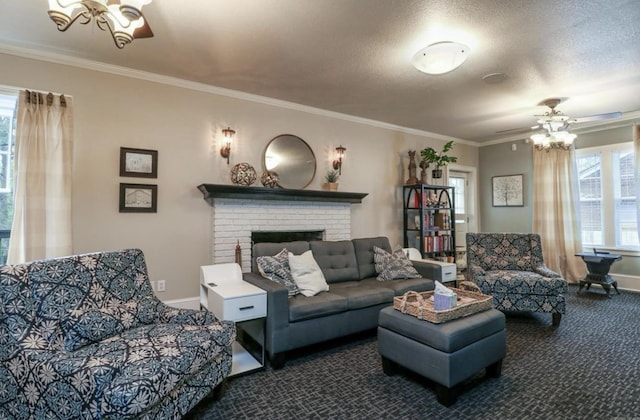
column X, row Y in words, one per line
column 556, row 134
column 559, row 139
column 123, row 18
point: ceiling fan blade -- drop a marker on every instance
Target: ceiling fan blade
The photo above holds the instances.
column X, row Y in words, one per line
column 596, row 117
column 518, row 130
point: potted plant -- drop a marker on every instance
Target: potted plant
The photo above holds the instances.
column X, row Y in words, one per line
column 429, row 155
column 332, row 180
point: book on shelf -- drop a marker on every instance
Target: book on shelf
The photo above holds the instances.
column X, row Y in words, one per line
column 437, row 243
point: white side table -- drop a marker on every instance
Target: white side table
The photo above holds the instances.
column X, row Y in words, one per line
column 224, row 293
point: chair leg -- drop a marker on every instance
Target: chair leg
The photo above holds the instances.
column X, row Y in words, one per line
column 556, row 317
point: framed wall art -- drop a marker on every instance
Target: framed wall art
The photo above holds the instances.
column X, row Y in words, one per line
column 141, row 163
column 138, row 198
column 507, row 190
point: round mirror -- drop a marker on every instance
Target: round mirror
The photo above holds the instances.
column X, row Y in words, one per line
column 292, row 159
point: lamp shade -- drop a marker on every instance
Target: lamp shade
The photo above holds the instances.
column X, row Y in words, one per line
column 441, row 57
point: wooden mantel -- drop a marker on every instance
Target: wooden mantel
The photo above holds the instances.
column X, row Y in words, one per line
column 213, row 191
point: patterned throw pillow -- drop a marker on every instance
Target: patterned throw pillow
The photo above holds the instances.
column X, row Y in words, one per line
column 393, row 266
column 277, row 269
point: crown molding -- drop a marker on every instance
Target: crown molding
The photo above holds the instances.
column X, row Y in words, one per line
column 58, row 58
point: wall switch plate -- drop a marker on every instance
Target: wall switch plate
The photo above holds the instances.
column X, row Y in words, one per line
column 161, row 286
column 153, row 285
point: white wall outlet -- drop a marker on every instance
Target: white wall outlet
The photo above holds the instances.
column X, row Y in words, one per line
column 161, row 286
column 153, row 285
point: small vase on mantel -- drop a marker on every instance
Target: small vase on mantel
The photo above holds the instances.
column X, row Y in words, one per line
column 332, row 181
column 331, row 186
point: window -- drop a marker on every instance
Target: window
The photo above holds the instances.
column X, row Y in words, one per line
column 459, row 182
column 7, row 135
column 607, row 196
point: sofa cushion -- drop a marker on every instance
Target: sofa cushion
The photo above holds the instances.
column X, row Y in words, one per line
column 272, row 248
column 400, row 287
column 129, row 372
column 360, row 295
column 302, row 307
column 337, row 259
column 276, row 268
column 521, row 282
column 364, row 254
column 395, row 265
column 307, row 274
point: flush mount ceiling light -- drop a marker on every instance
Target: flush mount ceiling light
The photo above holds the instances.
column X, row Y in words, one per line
column 123, row 18
column 441, row 57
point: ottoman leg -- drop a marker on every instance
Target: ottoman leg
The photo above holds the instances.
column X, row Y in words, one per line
column 389, row 367
column 555, row 318
column 494, row 370
column 445, row 396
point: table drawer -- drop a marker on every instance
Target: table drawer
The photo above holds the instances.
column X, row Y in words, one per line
column 245, row 307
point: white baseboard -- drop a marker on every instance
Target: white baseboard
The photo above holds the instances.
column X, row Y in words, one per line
column 627, row 282
column 186, row 303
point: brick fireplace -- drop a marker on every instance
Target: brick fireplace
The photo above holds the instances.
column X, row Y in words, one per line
column 237, row 212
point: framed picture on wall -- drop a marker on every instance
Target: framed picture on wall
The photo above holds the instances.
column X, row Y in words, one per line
column 138, row 198
column 507, row 191
column 141, row 163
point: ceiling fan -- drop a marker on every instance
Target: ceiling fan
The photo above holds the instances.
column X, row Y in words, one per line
column 555, row 120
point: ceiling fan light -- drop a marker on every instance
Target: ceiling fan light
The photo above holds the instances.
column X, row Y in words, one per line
column 567, row 138
column 538, row 138
column 121, row 18
column 441, row 57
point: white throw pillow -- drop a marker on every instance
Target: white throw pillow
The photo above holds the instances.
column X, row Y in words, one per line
column 307, row 274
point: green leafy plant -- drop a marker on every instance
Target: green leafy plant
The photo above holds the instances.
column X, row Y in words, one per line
column 429, row 155
column 332, row 176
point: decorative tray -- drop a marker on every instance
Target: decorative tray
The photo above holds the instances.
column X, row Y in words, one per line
column 420, row 305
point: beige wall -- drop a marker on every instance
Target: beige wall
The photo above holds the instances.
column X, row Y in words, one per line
column 183, row 124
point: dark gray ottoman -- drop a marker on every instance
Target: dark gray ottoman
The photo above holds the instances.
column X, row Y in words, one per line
column 446, row 353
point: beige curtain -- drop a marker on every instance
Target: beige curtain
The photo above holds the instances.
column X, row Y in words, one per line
column 555, row 212
column 636, row 151
column 42, row 178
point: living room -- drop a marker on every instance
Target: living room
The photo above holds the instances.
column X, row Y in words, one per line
column 119, row 106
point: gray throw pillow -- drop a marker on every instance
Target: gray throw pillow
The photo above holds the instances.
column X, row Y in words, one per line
column 393, row 266
column 277, row 269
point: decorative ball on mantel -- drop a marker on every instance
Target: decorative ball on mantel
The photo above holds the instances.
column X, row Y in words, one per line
column 243, row 174
column 270, row 179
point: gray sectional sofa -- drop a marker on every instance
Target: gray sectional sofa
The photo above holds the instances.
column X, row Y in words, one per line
column 351, row 305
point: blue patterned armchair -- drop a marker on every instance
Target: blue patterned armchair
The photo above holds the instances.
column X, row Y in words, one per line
column 510, row 267
column 85, row 337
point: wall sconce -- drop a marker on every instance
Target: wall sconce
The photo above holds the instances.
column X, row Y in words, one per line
column 225, row 151
column 337, row 164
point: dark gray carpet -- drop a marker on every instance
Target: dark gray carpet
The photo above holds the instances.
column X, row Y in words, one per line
column 587, row 368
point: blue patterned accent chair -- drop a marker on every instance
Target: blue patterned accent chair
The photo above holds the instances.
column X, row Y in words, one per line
column 85, row 337
column 510, row 267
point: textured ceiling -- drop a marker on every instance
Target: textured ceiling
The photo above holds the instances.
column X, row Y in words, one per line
column 353, row 56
